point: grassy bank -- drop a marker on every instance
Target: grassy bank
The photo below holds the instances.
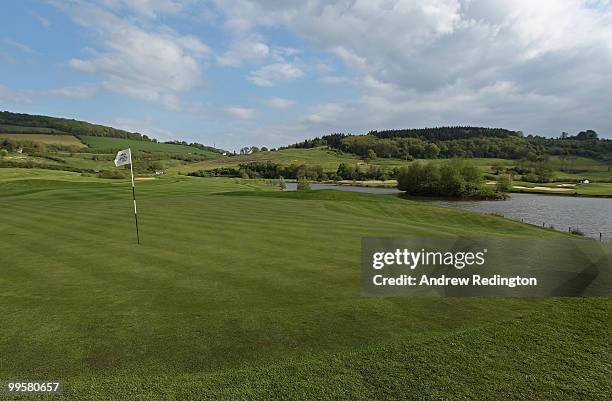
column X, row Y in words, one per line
column 570, row 189
column 64, row 140
column 242, row 292
column 99, row 144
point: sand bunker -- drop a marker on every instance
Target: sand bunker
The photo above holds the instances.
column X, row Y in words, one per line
column 551, row 189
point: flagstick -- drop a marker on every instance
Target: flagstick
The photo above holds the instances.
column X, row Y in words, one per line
column 134, row 196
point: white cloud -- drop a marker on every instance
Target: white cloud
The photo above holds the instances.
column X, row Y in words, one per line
column 10, row 96
column 44, row 22
column 18, row 45
column 251, row 48
column 77, row 91
column 325, row 114
column 335, row 80
column 272, row 73
column 153, row 65
column 147, row 125
column 82, row 65
column 149, row 8
column 279, row 103
column 240, row 112
column 540, row 66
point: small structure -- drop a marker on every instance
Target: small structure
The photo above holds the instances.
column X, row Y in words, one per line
column 19, row 150
column 159, row 172
column 585, row 181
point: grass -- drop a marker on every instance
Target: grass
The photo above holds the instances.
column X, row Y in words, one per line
column 322, row 156
column 29, row 130
column 98, row 144
column 66, row 140
column 242, row 292
column 328, row 159
column 591, row 189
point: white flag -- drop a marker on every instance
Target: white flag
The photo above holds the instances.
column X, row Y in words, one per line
column 123, row 157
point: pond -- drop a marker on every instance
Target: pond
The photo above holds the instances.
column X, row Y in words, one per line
column 590, row 215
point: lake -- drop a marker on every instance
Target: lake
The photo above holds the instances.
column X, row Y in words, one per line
column 590, row 215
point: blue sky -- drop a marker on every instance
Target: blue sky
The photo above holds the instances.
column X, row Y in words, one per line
column 246, row 72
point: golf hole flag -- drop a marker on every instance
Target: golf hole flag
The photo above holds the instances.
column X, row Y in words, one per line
column 125, row 157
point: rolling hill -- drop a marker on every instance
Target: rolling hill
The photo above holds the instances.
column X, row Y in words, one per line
column 19, row 122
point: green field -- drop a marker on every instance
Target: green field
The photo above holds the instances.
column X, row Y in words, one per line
column 99, row 144
column 328, row 159
column 241, row 293
column 591, row 189
column 65, row 140
column 30, row 130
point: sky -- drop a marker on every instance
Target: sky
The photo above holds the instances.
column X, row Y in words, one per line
column 235, row 73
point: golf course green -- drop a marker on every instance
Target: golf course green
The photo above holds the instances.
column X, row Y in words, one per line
column 241, row 292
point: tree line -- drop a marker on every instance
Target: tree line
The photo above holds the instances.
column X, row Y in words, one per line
column 271, row 170
column 69, row 126
column 462, row 142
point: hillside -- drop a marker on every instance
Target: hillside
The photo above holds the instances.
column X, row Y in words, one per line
column 98, row 144
column 18, row 122
column 47, row 139
column 467, row 142
column 35, row 141
column 38, row 143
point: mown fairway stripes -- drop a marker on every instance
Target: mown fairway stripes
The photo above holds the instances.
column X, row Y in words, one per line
column 245, row 296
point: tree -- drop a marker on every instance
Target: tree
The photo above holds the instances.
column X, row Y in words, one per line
column 497, row 168
column 154, row 165
column 405, row 150
column 454, row 178
column 451, row 181
column 431, row 151
column 303, row 184
column 503, row 183
column 345, row 171
column 418, row 178
column 586, row 135
column 370, row 156
column 281, row 183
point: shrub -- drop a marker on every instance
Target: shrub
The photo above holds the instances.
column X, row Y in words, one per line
column 454, row 179
column 111, row 174
column 303, row 184
column 576, row 231
column 503, row 183
column 281, row 184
